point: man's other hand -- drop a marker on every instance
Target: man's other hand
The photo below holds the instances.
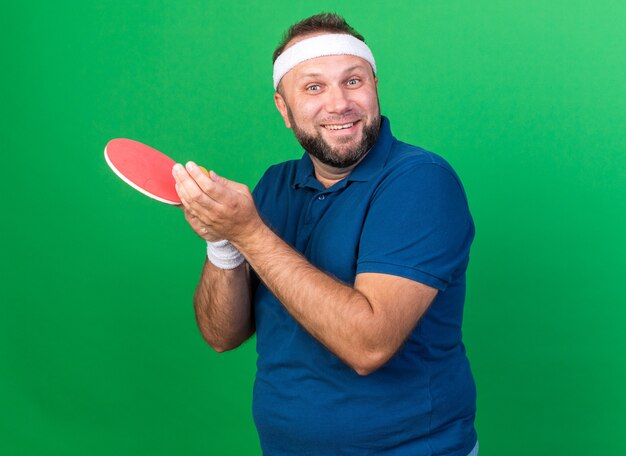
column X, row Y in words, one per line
column 215, row 207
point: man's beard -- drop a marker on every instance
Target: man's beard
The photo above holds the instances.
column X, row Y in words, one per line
column 315, row 145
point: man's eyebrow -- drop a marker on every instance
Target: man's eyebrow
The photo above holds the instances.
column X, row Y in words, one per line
column 347, row 70
column 355, row 67
column 309, row 75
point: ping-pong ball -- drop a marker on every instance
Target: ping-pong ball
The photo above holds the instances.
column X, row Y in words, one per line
column 203, row 170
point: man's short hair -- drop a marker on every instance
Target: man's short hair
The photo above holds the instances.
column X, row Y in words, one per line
column 323, row 22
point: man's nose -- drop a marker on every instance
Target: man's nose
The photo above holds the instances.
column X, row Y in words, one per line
column 338, row 100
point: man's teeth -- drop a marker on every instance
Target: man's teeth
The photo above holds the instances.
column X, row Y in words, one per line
column 339, row 127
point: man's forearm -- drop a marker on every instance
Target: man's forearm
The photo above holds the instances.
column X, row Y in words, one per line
column 336, row 314
column 223, row 306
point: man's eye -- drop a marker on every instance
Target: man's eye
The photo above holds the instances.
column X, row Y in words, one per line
column 313, row 88
column 353, row 82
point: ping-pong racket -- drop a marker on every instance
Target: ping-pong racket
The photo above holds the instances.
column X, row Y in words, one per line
column 143, row 168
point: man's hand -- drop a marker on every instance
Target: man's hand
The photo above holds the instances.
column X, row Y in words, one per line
column 200, row 228
column 215, row 207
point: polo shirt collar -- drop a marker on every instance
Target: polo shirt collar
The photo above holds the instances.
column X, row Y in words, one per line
column 370, row 166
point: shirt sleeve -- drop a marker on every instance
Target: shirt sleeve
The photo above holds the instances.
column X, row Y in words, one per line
column 418, row 226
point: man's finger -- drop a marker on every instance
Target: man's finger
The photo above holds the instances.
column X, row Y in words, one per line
column 210, row 184
column 188, row 186
column 182, row 194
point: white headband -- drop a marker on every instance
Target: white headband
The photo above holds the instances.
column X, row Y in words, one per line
column 320, row 46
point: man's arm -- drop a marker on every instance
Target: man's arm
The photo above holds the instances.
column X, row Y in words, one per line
column 364, row 325
column 223, row 306
column 222, row 301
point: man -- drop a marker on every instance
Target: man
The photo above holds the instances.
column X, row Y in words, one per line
column 354, row 271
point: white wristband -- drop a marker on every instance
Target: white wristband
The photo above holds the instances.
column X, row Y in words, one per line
column 223, row 254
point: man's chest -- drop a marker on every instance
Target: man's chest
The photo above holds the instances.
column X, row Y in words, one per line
column 323, row 225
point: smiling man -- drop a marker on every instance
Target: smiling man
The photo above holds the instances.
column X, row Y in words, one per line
column 349, row 264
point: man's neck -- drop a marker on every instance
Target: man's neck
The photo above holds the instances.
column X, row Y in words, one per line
column 328, row 175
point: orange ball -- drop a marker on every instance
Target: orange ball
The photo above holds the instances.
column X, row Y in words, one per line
column 204, row 170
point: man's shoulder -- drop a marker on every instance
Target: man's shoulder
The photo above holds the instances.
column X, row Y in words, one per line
column 406, row 157
column 283, row 169
column 277, row 175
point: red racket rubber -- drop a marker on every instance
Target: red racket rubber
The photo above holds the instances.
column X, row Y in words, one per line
column 145, row 169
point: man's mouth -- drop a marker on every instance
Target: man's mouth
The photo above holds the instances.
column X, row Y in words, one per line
column 339, row 126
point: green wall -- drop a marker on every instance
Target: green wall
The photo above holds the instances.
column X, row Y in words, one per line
column 99, row 352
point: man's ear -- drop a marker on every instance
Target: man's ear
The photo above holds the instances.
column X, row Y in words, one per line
column 281, row 105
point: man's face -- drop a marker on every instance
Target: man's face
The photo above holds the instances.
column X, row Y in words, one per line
column 331, row 103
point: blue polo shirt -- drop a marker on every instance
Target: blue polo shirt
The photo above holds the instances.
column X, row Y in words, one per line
column 402, row 211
